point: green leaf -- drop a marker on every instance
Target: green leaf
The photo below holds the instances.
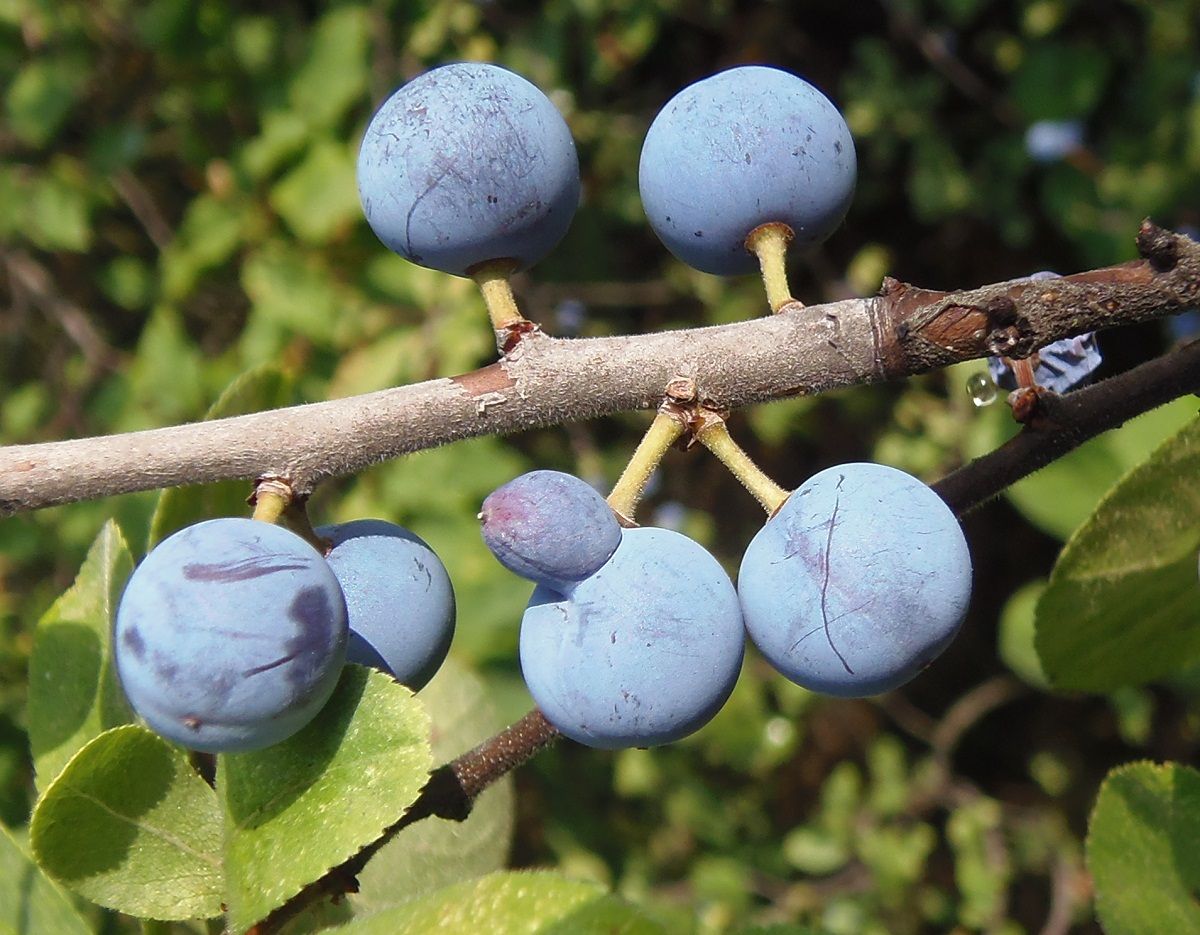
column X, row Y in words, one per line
column 1017, row 634
column 210, row 232
column 1059, row 81
column 1122, row 603
column 131, row 826
column 263, row 387
column 73, row 691
column 165, row 379
column 30, row 903
column 1059, row 497
column 534, row 903
column 41, row 96
column 283, row 133
column 294, row 810
column 319, row 198
column 437, row 852
column 981, row 872
column 337, row 69
column 294, row 290
column 57, row 212
column 1141, row 850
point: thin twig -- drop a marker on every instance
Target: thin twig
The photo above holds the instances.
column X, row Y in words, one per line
column 1068, row 421
column 450, row 793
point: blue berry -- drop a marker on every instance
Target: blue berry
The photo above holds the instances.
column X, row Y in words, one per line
column 1052, row 140
column 644, row 651
column 1058, row 366
column 398, row 595
column 746, row 147
column 858, row 582
column 1185, row 325
column 468, row 163
column 230, row 635
column 549, row 527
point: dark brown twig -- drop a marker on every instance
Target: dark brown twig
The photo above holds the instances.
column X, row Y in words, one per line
column 1066, row 422
column 450, row 793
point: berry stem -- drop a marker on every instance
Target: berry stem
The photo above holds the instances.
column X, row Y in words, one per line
column 493, row 281
column 769, row 242
column 271, row 499
column 295, row 515
column 660, row 436
column 716, row 438
column 1023, row 371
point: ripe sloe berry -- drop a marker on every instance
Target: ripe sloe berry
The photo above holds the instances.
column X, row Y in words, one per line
column 748, row 146
column 549, row 527
column 860, row 580
column 468, row 163
column 230, row 635
column 642, row 652
column 398, row 595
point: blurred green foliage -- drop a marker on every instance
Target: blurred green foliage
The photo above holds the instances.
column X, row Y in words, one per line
column 177, row 206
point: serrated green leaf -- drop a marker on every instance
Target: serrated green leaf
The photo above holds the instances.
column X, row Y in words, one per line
column 533, row 903
column 260, row 388
column 73, row 691
column 131, row 826
column 437, row 852
column 1141, row 850
column 294, row 810
column 30, row 903
column 1123, row 599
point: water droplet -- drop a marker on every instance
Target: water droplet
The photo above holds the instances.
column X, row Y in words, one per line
column 981, row 389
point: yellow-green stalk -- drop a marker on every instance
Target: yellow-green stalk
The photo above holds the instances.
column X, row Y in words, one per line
column 769, row 242
column 659, row 437
column 716, row 438
column 271, row 498
column 493, row 281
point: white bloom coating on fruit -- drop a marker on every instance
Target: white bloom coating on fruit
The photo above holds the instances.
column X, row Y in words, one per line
column 466, row 164
column 748, row 146
column 859, row 581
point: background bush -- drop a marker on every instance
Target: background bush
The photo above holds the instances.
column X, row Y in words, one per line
column 177, row 205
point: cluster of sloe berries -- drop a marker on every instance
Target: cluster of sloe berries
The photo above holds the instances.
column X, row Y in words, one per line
column 469, row 164
column 231, row 634
column 635, row 637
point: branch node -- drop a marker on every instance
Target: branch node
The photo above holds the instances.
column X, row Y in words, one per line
column 1001, row 311
column 1159, row 246
column 509, row 338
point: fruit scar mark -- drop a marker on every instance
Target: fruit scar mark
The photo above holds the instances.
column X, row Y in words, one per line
column 273, row 664
column 837, row 502
column 425, row 571
column 431, row 184
column 244, row 570
column 844, row 613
